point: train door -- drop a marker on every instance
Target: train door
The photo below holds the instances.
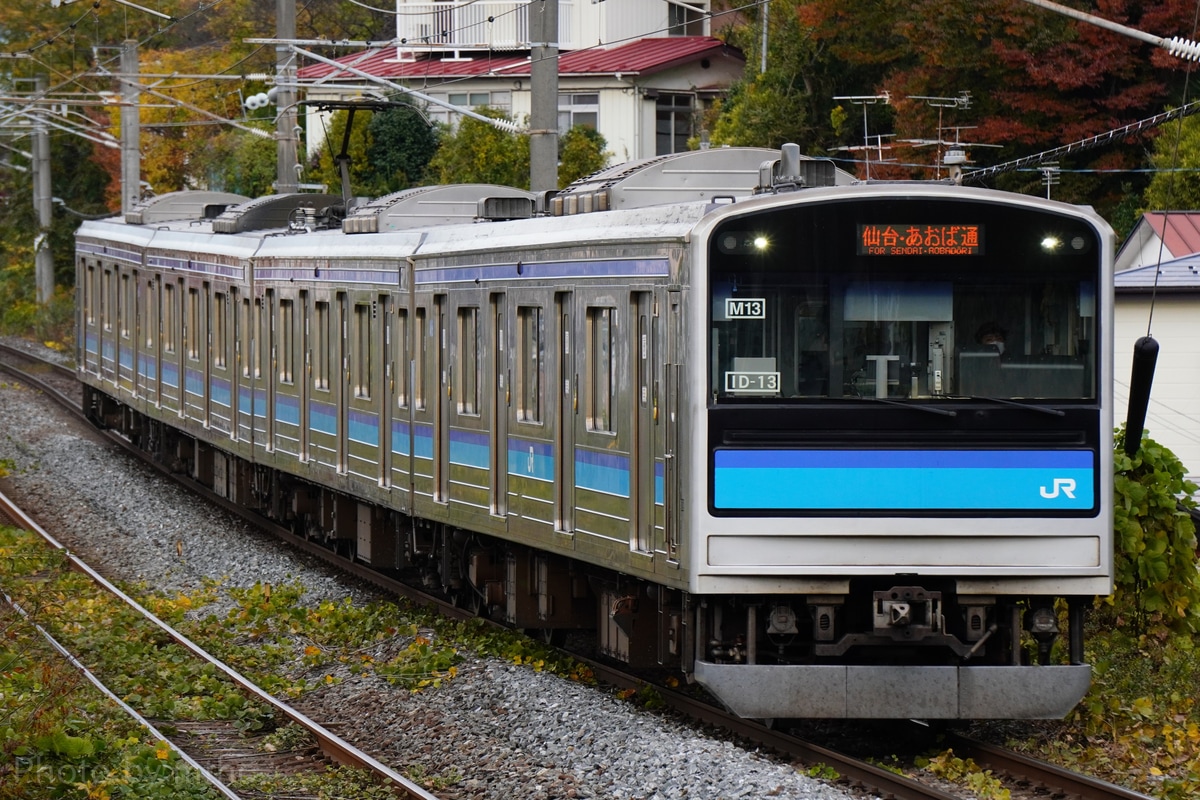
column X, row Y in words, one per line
column 195, row 337
column 108, row 310
column 264, row 371
column 564, row 431
column 641, row 447
column 126, row 320
column 387, row 387
column 426, row 399
column 499, row 406
column 405, row 333
column 220, row 385
column 170, row 347
column 441, row 404
column 360, row 439
column 140, row 324
column 317, row 413
column 148, row 340
column 669, row 422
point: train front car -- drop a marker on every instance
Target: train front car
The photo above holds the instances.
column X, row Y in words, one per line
column 904, row 505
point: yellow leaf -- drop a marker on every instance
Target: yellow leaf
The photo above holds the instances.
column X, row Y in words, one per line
column 312, row 650
column 1155, row 771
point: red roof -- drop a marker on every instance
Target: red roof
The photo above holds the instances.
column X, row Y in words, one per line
column 1180, row 230
column 644, row 56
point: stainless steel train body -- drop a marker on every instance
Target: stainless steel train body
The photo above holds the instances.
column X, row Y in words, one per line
column 747, row 434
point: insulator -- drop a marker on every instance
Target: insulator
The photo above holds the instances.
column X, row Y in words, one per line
column 1184, row 48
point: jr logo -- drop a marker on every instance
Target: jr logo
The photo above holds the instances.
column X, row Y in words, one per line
column 1061, row 486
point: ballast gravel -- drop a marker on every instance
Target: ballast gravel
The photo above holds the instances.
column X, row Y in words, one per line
column 498, row 730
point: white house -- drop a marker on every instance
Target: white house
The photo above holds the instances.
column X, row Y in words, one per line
column 1167, row 305
column 640, row 71
column 1160, row 236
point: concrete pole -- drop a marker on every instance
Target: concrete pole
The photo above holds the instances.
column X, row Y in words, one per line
column 543, row 88
column 286, row 179
column 43, row 263
column 131, row 128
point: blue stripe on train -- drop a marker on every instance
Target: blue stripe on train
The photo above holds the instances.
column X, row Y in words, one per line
column 531, row 458
column 949, row 480
column 470, row 449
column 602, row 472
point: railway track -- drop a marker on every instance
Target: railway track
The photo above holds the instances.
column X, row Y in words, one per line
column 212, row 747
column 1035, row 777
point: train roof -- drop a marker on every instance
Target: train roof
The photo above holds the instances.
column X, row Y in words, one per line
column 660, row 198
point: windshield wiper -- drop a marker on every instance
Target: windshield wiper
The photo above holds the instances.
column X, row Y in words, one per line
column 945, row 412
column 1057, row 412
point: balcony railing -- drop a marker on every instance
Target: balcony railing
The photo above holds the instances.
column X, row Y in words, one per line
column 485, row 25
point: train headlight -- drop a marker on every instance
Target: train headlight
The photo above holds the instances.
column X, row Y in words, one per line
column 1051, row 244
column 761, row 243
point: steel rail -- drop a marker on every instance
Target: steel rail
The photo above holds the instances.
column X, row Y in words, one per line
column 1063, row 781
column 332, row 745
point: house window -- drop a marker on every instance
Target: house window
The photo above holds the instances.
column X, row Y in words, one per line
column 673, row 123
column 501, row 101
column 684, row 21
column 578, row 109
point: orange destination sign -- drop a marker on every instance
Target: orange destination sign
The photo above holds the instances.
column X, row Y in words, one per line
column 920, row 240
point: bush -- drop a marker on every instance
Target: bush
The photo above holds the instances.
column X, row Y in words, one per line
column 1157, row 585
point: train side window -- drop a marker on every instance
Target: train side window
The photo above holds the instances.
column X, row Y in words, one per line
column 191, row 328
column 287, row 335
column 150, row 303
column 403, row 354
column 246, row 341
column 106, row 301
column 126, row 314
column 466, row 363
column 530, row 355
column 219, row 339
column 361, row 360
column 419, row 360
column 321, row 347
column 169, row 316
column 599, row 390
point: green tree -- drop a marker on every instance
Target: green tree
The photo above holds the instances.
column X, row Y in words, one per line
column 325, row 166
column 1157, row 584
column 477, row 152
column 581, row 151
column 239, row 162
column 1176, row 159
column 790, row 101
column 401, row 143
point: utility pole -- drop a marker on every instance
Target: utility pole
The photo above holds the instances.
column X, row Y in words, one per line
column 766, row 16
column 131, row 127
column 286, row 179
column 543, row 89
column 43, row 264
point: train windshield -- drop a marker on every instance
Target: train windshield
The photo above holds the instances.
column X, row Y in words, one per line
column 903, row 299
